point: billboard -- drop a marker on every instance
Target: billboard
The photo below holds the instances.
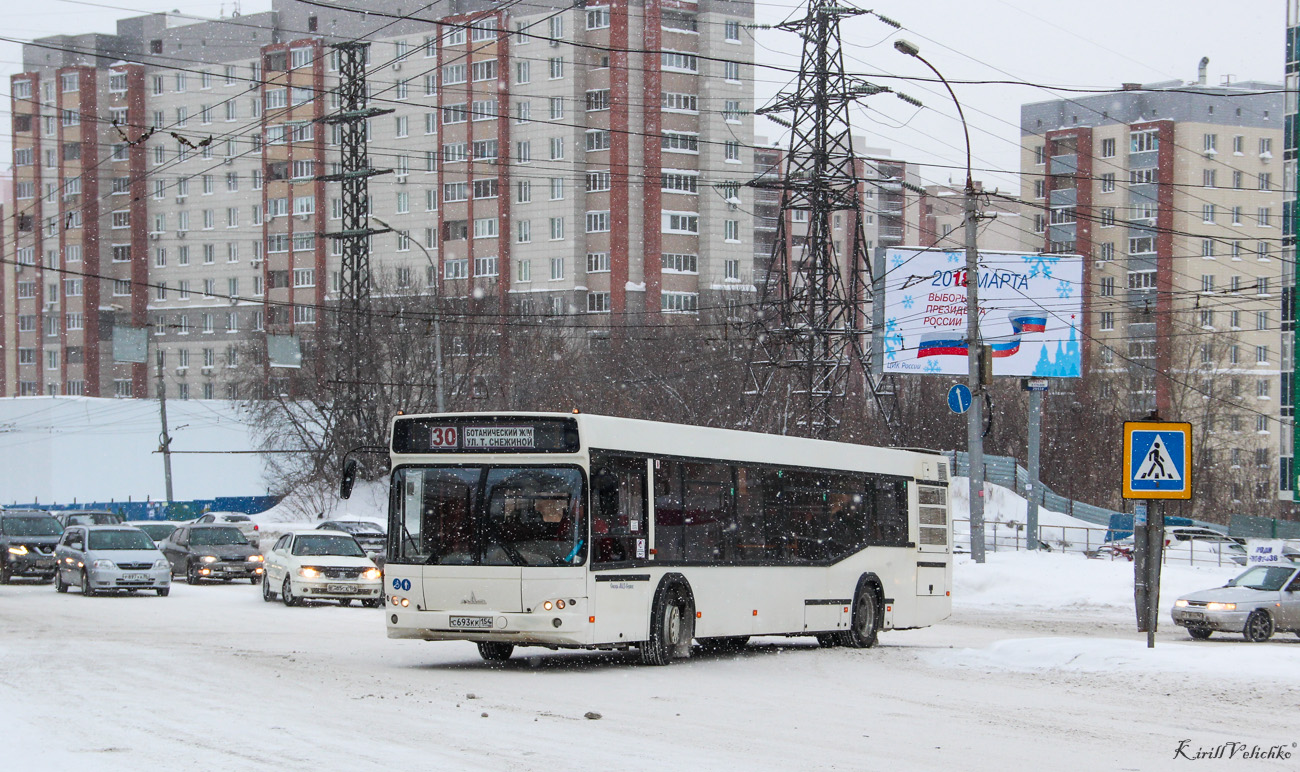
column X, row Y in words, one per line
column 1030, row 312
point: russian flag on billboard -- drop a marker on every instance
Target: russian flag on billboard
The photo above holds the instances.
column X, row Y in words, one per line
column 935, row 344
column 1029, row 323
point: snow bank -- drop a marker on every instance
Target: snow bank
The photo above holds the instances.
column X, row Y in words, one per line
column 1049, row 581
column 1110, row 655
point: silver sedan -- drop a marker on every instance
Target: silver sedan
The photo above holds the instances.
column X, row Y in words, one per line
column 1263, row 600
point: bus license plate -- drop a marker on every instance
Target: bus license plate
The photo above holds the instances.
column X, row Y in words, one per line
column 471, row 623
column 340, row 588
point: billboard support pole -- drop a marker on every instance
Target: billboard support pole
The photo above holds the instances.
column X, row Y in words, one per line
column 1035, row 443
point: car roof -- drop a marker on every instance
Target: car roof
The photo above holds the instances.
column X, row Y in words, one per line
column 152, row 522
column 209, row 526
column 24, row 512
column 324, row 531
column 106, row 527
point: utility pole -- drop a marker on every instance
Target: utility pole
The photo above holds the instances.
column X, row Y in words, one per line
column 166, row 439
column 1036, row 388
column 974, row 350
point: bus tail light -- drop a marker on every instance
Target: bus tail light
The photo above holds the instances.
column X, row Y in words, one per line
column 699, row 614
column 591, row 620
column 755, row 612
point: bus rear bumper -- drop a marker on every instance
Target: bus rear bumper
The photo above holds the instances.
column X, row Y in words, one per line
column 551, row 628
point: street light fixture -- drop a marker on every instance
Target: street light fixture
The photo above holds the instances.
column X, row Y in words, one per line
column 975, row 415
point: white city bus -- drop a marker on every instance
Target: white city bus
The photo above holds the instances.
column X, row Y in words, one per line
column 592, row 532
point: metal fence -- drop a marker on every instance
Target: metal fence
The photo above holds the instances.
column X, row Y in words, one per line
column 1251, row 527
column 1085, row 540
column 1004, row 471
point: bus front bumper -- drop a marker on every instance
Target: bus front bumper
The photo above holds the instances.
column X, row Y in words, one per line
column 545, row 628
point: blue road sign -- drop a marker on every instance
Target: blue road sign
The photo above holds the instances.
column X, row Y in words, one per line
column 1157, row 460
column 959, row 398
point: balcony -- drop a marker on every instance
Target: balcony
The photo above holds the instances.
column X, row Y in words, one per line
column 1064, row 164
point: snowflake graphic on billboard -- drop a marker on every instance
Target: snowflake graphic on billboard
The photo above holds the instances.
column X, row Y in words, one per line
column 1064, row 289
column 897, row 261
column 893, row 339
column 1041, row 265
column 932, row 366
column 954, row 257
column 908, row 302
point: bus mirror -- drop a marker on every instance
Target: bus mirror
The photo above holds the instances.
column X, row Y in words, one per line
column 349, row 478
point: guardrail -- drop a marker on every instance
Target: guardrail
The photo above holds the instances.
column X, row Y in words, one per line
column 1085, row 540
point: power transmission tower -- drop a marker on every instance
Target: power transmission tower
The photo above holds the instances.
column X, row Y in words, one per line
column 352, row 420
column 811, row 329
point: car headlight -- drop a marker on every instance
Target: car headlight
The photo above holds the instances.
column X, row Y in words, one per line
column 209, row 558
column 307, row 572
column 371, row 573
column 19, row 549
column 160, row 564
column 255, row 558
column 1180, row 603
column 103, row 564
column 1221, row 607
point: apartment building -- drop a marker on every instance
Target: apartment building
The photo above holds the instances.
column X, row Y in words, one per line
column 550, row 159
column 1173, row 193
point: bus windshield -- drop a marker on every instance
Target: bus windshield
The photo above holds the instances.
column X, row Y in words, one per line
column 490, row 515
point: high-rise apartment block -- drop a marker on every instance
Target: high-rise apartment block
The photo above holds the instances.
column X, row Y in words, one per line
column 1173, row 193
column 547, row 158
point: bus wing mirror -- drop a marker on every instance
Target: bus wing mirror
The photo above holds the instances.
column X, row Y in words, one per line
column 349, row 478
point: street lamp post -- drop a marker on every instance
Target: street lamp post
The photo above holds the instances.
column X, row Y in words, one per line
column 974, row 416
column 439, row 392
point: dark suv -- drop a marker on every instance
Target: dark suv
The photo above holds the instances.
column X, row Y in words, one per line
column 27, row 539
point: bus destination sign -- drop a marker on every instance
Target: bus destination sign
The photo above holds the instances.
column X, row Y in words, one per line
column 483, row 435
column 499, row 437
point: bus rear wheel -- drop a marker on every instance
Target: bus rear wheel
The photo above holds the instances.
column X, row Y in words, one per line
column 865, row 625
column 495, row 651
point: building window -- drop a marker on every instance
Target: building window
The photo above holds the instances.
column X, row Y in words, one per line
column 598, row 302
column 1108, row 148
column 677, row 262
column 597, row 262
column 598, row 222
column 557, row 228
column 679, row 302
column 557, row 268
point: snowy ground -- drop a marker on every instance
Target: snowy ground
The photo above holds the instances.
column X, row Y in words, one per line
column 1039, row 666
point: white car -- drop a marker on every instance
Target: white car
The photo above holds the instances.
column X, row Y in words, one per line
column 241, row 521
column 321, row 565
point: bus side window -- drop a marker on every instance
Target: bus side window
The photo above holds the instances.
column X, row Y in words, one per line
column 669, row 511
column 618, row 516
column 888, row 519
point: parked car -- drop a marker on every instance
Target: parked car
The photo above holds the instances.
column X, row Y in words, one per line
column 200, row 552
column 321, row 565
column 1258, row 603
column 1200, row 534
column 27, row 539
column 1197, row 552
column 369, row 535
column 241, row 521
column 89, row 517
column 157, row 529
column 110, row 558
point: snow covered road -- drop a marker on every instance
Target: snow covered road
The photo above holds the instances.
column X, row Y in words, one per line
column 212, row 677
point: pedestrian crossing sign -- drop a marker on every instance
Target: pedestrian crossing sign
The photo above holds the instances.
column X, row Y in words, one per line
column 1157, row 460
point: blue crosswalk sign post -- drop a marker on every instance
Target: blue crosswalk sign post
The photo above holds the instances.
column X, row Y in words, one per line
column 1157, row 460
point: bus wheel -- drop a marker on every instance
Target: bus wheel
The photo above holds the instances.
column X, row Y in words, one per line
column 866, row 621
column 495, row 651
column 669, row 628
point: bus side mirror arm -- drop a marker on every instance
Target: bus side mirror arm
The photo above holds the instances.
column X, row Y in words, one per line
column 350, row 468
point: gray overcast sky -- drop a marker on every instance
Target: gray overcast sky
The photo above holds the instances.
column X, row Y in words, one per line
column 1097, row 44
